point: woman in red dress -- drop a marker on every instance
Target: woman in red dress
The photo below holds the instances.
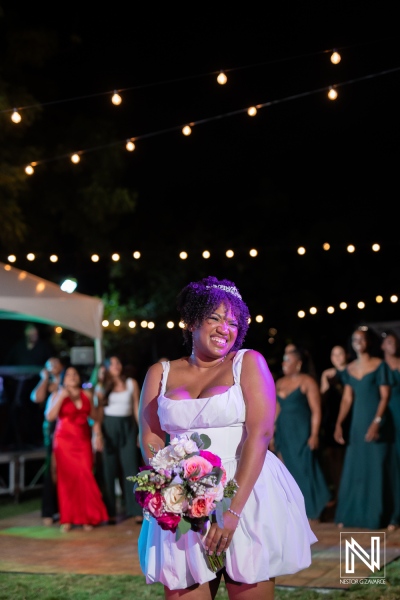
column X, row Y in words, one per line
column 79, row 497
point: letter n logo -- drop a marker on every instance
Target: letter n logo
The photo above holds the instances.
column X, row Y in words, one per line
column 372, row 560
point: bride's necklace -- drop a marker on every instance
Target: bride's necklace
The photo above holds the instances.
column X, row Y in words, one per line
column 191, row 362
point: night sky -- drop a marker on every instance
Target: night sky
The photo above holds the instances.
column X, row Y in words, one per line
column 305, row 170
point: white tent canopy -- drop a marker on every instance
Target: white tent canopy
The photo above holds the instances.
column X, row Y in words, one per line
column 24, row 296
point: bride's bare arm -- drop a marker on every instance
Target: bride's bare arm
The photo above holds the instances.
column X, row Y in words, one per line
column 150, row 432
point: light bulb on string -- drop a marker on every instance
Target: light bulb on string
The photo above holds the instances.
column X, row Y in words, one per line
column 252, row 111
column 75, row 158
column 29, row 170
column 335, row 58
column 187, row 130
column 130, row 146
column 116, row 98
column 332, row 94
column 16, row 117
column 222, row 78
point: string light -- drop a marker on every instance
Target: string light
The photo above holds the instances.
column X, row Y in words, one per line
column 75, row 158
column 187, row 129
column 332, row 94
column 335, row 58
column 252, row 111
column 130, row 146
column 29, row 170
column 222, row 78
column 16, row 117
column 206, row 254
column 116, row 98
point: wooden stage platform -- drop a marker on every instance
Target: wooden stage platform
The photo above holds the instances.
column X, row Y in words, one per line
column 26, row 546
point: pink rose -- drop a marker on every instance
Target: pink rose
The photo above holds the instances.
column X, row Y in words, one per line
column 169, row 522
column 201, row 507
column 212, row 458
column 196, row 467
column 155, row 504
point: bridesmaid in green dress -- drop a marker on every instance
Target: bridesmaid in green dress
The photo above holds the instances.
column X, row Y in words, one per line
column 391, row 353
column 369, row 492
column 297, row 429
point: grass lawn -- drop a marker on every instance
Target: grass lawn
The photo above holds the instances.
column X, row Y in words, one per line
column 25, row 586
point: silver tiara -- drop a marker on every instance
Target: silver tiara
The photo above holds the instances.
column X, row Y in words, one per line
column 231, row 289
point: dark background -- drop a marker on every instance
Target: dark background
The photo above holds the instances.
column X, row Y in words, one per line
column 304, row 171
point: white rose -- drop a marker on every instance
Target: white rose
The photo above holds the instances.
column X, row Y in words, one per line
column 190, row 447
column 163, row 459
column 179, row 451
column 174, row 497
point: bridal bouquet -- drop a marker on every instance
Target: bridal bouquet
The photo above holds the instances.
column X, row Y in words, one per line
column 184, row 487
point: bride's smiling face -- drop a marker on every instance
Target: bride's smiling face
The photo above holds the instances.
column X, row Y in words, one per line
column 217, row 333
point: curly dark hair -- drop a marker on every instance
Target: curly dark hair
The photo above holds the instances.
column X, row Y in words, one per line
column 199, row 299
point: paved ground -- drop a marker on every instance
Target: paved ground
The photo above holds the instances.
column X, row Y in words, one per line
column 27, row 546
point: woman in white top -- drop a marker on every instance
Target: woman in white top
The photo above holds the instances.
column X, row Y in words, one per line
column 118, row 398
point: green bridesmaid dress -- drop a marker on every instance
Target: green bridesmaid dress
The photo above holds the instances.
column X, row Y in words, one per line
column 292, row 430
column 369, row 492
column 394, row 405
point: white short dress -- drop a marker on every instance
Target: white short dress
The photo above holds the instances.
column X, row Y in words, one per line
column 273, row 536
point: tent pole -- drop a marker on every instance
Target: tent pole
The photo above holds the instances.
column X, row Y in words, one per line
column 98, row 351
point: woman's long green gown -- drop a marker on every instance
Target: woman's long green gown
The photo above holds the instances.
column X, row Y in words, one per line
column 293, row 428
column 369, row 492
